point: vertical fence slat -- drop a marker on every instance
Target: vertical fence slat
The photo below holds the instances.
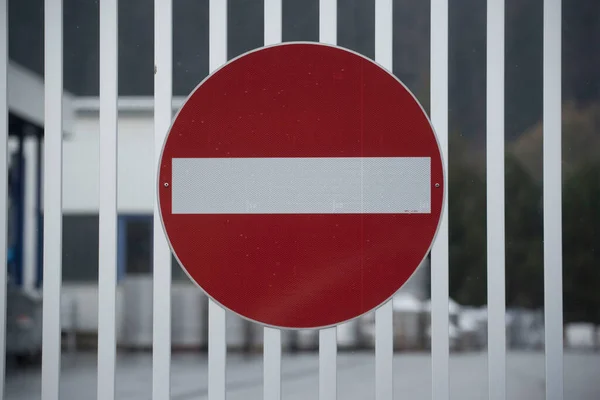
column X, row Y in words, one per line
column 439, row 252
column 163, row 93
column 384, row 352
column 53, row 126
column 495, row 201
column 328, row 364
column 272, row 364
column 273, row 21
column 328, row 21
column 272, row 337
column 217, row 341
column 107, row 255
column 328, row 337
column 3, row 181
column 384, row 318
column 552, row 191
column 217, row 351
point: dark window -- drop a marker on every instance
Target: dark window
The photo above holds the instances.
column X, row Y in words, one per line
column 80, row 248
column 134, row 252
column 138, row 245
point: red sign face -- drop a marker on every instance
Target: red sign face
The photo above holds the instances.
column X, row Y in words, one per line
column 301, row 185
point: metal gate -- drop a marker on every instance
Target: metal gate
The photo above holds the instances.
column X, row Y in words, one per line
column 52, row 201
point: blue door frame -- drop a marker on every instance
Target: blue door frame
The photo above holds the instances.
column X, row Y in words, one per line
column 16, row 194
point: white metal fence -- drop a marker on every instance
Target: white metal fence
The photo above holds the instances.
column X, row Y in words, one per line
column 272, row 338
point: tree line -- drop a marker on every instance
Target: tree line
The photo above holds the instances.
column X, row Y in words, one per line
column 524, row 219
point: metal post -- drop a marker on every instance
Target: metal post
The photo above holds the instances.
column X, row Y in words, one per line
column 272, row 337
column 384, row 316
column 553, row 326
column 439, row 252
column 217, row 343
column 53, row 156
column 328, row 337
column 163, row 109
column 107, row 223
column 495, row 201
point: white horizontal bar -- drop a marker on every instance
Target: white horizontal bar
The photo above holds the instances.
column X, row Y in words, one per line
column 163, row 93
column 553, row 307
column 3, row 180
column 107, row 256
column 439, row 252
column 301, row 185
column 124, row 103
column 52, row 184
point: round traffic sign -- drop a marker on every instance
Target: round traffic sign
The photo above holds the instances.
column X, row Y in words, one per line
column 300, row 185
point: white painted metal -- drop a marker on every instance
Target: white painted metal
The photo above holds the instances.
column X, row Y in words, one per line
column 328, row 337
column 384, row 33
column 439, row 251
column 3, row 181
column 384, row 316
column 272, row 337
column 552, row 120
column 384, row 352
column 495, row 201
column 322, row 185
column 217, row 344
column 107, row 254
column 217, row 352
column 328, row 364
column 272, row 364
column 53, row 128
column 328, row 21
column 273, row 21
column 217, row 34
column 163, row 93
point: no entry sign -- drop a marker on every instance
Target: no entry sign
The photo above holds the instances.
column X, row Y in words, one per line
column 300, row 185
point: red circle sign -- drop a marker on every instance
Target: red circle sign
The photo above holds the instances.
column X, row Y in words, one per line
column 301, row 185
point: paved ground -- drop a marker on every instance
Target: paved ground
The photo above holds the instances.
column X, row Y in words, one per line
column 412, row 377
